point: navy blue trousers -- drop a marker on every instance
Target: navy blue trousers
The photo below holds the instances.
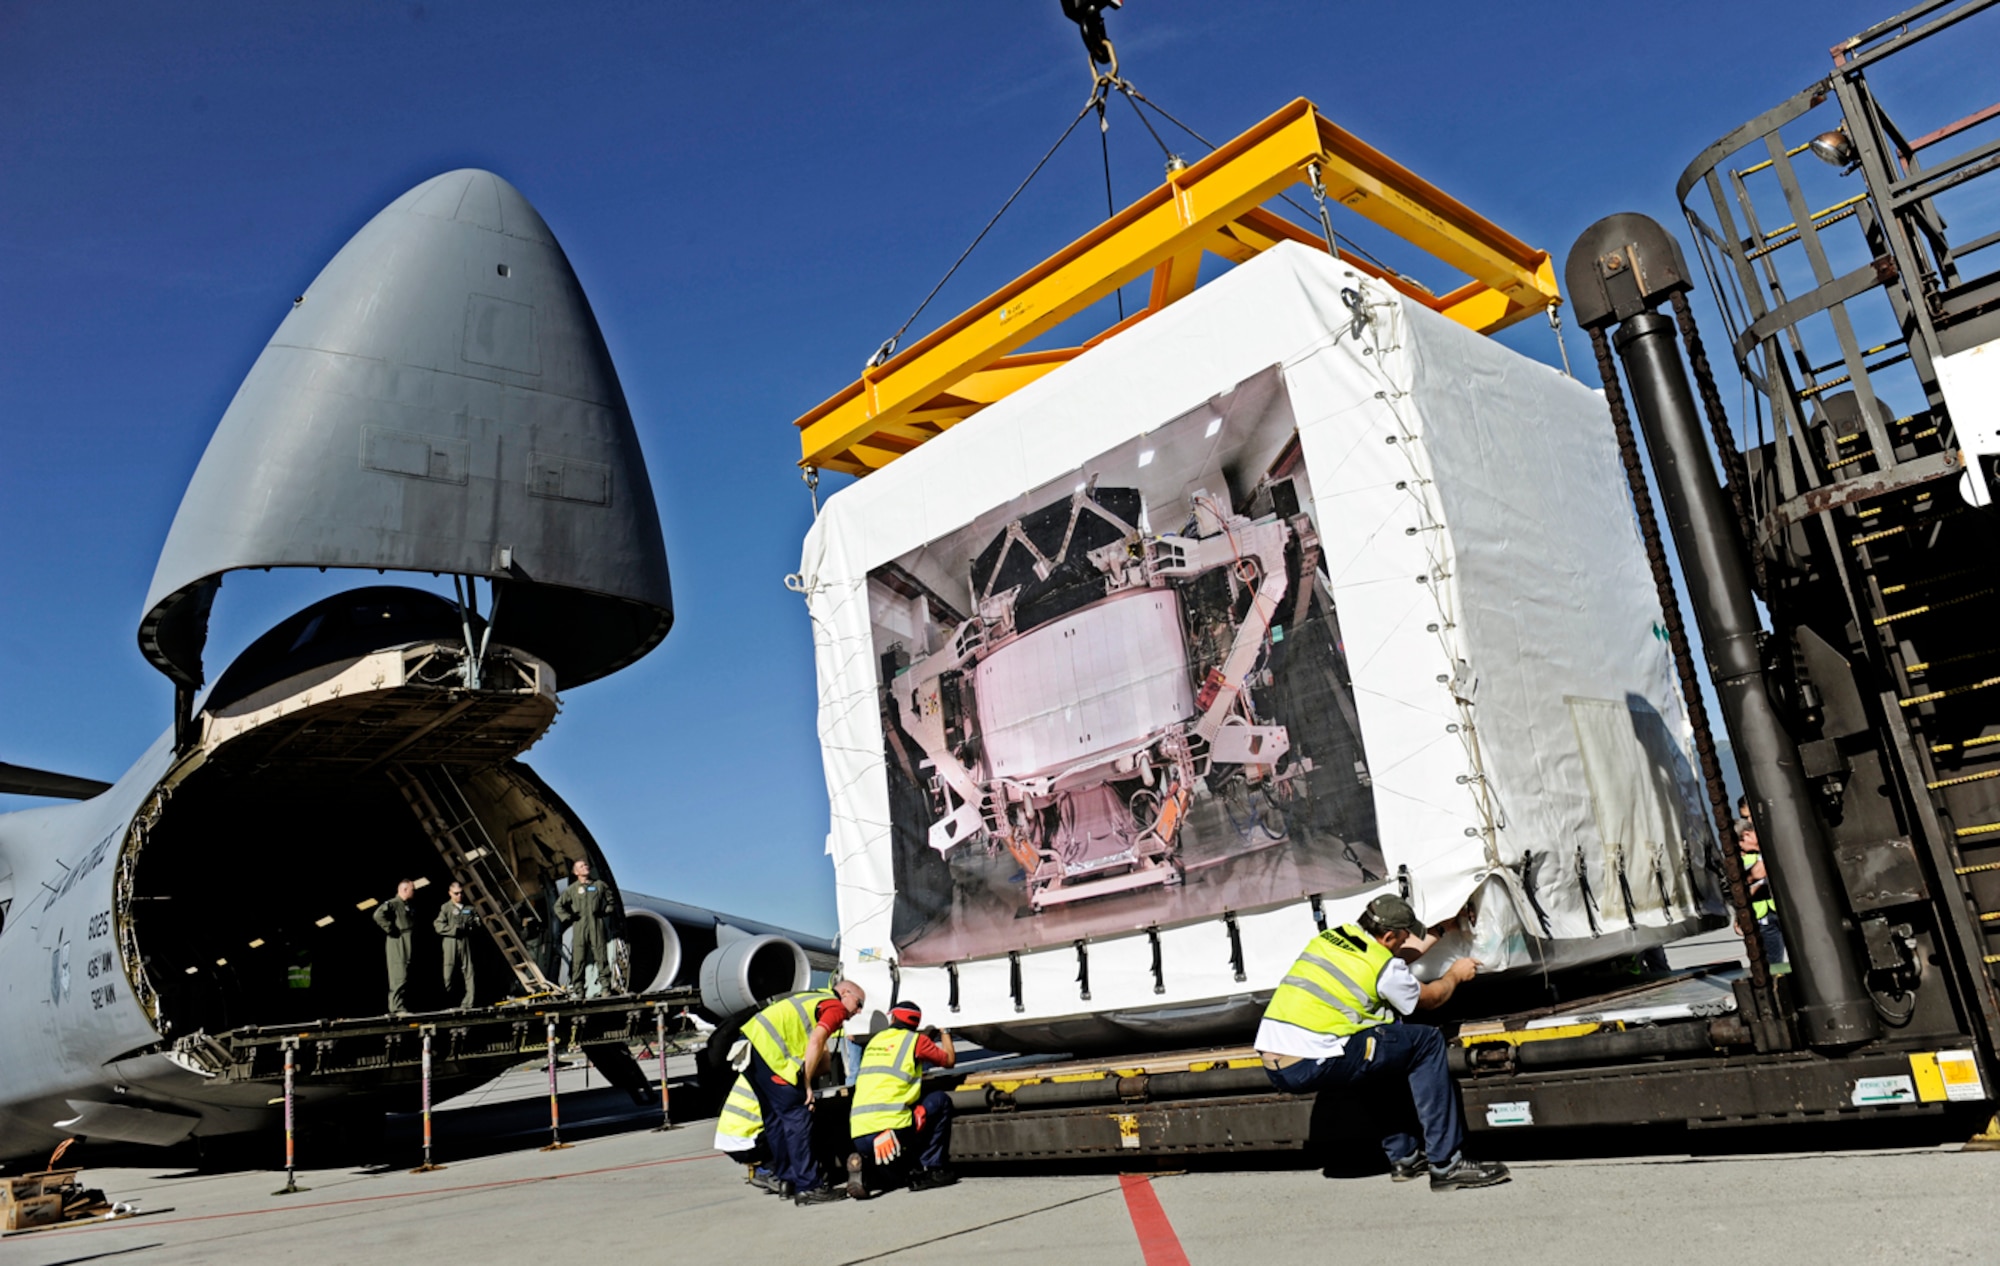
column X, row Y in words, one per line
column 1773, row 938
column 1402, row 1067
column 928, row 1145
column 787, row 1125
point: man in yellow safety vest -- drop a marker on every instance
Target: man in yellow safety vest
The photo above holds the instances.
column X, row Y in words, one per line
column 1336, row 1021
column 788, row 1044
column 739, row 1135
column 893, row 1121
column 1763, row 905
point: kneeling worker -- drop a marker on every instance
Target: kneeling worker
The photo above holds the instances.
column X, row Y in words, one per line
column 1334, row 1022
column 788, row 1041
column 892, row 1115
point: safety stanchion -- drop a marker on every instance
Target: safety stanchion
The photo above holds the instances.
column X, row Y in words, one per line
column 291, row 1186
column 555, row 1116
column 427, row 1166
column 660, row 1044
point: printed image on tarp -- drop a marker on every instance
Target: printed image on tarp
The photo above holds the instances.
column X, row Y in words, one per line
column 1119, row 700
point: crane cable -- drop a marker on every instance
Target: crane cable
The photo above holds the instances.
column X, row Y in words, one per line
column 1105, row 79
column 1088, row 15
column 1139, row 98
column 888, row 348
column 1097, row 94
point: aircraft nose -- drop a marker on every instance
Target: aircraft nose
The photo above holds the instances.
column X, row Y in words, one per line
column 439, row 400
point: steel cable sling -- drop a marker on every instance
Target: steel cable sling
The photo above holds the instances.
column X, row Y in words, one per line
column 888, row 347
column 1102, row 85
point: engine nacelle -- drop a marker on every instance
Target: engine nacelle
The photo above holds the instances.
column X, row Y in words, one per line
column 655, row 946
column 746, row 970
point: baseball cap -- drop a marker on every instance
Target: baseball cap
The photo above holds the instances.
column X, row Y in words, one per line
column 1395, row 914
column 907, row 1013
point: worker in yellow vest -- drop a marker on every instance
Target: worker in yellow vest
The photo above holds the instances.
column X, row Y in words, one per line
column 1763, row 904
column 788, row 1045
column 897, row 1128
column 739, row 1135
column 1336, row 1020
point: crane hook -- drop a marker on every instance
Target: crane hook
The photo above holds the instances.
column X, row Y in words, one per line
column 1089, row 18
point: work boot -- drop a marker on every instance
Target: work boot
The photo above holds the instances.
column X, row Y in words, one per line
column 820, row 1195
column 857, row 1184
column 925, row 1179
column 765, row 1180
column 1410, row 1167
column 1466, row 1172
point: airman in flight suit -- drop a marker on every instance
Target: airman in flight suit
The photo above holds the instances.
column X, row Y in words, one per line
column 587, row 905
column 393, row 917
column 455, row 925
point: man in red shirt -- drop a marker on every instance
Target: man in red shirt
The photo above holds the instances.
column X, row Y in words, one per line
column 788, row 1045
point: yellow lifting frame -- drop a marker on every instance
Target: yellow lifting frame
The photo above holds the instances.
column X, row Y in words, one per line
column 1215, row 206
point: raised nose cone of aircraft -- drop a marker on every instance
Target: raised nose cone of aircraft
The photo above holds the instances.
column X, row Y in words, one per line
column 440, row 399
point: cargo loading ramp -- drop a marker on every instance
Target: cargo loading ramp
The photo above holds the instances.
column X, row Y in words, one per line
column 375, row 1053
column 1213, row 206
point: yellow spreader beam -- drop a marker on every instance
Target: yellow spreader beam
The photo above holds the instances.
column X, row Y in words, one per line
column 1214, row 206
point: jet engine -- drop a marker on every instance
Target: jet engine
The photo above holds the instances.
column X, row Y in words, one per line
column 750, row 970
column 738, row 963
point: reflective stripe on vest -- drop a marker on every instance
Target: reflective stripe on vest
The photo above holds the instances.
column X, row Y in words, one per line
column 888, row 1086
column 1760, row 907
column 741, row 1116
column 1332, row 988
column 780, row 1031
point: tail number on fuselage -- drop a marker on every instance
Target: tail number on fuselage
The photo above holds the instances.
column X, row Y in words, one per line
column 100, row 964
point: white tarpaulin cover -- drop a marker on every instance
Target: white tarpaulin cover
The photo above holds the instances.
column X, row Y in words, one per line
column 1482, row 614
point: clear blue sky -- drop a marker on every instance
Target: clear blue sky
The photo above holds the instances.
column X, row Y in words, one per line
column 754, row 196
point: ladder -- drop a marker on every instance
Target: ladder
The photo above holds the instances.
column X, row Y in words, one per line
column 1924, row 590
column 491, row 888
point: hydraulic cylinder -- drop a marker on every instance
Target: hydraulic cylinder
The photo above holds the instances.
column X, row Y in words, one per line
column 1835, row 1009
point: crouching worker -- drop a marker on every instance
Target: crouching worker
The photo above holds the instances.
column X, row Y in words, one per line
column 788, row 1048
column 1334, row 1022
column 898, row 1129
column 739, row 1135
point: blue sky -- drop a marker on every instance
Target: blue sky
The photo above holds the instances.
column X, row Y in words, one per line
column 754, row 197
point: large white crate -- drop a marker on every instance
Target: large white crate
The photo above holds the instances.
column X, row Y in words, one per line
column 1415, row 621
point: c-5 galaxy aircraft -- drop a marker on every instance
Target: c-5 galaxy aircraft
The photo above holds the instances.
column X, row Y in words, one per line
column 439, row 400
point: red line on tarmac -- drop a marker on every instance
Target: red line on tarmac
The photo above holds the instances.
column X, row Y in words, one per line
column 392, row 1195
column 1157, row 1242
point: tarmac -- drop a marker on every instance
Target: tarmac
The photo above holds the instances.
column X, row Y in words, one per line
column 627, row 1188
column 628, row 1191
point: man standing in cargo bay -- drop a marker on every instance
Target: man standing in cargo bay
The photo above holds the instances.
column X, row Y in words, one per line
column 1334, row 1021
column 393, row 917
column 455, row 924
column 587, row 904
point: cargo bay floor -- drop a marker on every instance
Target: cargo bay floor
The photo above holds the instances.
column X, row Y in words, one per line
column 625, row 1189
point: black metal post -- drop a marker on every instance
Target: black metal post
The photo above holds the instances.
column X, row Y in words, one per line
column 660, row 1039
column 1834, row 1007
